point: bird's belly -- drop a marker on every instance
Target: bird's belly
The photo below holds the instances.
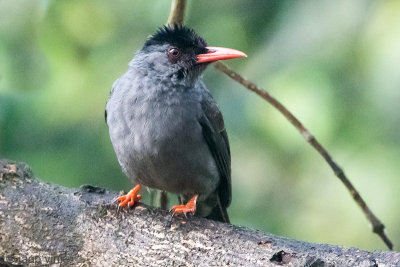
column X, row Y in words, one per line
column 168, row 152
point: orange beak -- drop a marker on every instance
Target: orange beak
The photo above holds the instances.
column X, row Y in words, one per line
column 219, row 53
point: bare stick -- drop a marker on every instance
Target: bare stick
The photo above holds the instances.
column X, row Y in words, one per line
column 177, row 12
column 377, row 226
column 176, row 16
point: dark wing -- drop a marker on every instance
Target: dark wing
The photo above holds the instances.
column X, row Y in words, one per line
column 217, row 139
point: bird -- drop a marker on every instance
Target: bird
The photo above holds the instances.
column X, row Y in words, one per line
column 166, row 128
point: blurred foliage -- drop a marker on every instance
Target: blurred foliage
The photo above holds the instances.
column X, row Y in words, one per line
column 335, row 64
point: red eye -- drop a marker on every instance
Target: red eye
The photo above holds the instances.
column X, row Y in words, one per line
column 173, row 54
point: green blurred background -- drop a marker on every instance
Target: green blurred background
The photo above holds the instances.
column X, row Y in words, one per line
column 334, row 64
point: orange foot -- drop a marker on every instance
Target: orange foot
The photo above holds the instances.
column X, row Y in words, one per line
column 189, row 207
column 131, row 198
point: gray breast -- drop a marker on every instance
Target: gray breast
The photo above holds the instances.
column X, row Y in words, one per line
column 158, row 139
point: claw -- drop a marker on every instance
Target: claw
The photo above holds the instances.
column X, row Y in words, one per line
column 189, row 207
column 129, row 199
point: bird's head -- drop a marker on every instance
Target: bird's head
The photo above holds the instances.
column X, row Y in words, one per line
column 179, row 54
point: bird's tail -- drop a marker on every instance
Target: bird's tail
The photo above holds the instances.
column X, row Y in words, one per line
column 219, row 213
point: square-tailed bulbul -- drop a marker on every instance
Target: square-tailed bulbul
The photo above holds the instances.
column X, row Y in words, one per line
column 165, row 126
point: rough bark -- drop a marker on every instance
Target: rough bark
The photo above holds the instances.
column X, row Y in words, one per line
column 43, row 224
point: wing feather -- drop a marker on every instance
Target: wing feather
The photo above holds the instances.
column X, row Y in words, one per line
column 217, row 139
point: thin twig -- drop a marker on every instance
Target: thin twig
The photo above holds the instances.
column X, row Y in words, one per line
column 377, row 226
column 176, row 17
column 177, row 12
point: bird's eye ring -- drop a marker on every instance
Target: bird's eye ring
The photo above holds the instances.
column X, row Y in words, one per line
column 173, row 54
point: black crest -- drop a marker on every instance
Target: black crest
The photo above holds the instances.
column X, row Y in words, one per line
column 179, row 36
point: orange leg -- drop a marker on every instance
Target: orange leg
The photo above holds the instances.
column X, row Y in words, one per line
column 131, row 198
column 189, row 207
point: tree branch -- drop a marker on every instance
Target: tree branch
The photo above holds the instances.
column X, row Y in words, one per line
column 176, row 16
column 43, row 224
column 377, row 226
